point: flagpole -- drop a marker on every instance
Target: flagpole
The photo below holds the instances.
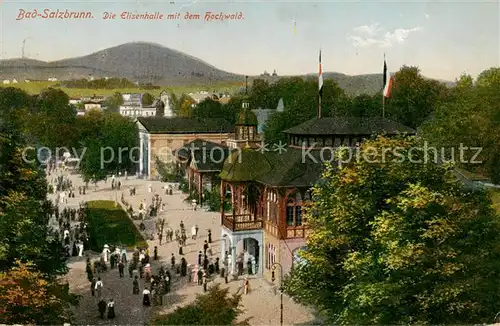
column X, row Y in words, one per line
column 319, row 106
column 320, row 80
column 383, row 96
column 383, row 106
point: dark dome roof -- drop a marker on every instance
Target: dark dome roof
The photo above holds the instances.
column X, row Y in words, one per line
column 245, row 165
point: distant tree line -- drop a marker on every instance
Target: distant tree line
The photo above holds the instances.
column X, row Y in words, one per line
column 103, row 83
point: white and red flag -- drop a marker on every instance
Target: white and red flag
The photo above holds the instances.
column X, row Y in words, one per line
column 388, row 82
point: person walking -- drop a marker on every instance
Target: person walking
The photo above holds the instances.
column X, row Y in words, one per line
column 135, row 285
column 92, row 286
column 101, row 306
column 146, row 300
column 121, row 268
column 98, row 287
column 193, row 232
column 111, row 309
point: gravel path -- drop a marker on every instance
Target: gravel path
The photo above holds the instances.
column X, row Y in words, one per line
column 261, row 305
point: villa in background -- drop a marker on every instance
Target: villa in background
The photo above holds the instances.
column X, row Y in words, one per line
column 88, row 103
column 161, row 137
column 132, row 106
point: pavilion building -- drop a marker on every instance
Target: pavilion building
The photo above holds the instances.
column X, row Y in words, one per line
column 263, row 193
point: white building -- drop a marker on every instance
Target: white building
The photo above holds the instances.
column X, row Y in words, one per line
column 52, row 79
column 137, row 111
column 91, row 105
column 75, row 100
column 14, row 81
column 199, row 96
column 132, row 106
column 27, row 80
column 6, row 82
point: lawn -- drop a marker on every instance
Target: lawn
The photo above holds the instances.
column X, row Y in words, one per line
column 109, row 224
column 36, row 86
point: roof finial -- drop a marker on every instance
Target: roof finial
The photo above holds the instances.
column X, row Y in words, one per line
column 246, row 85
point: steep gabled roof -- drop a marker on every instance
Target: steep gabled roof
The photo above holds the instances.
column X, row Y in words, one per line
column 208, row 156
column 349, row 126
column 181, row 125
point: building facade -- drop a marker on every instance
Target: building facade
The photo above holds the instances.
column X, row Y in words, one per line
column 161, row 137
column 264, row 193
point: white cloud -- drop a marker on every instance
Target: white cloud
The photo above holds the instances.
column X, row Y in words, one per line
column 370, row 30
column 426, row 16
column 368, row 35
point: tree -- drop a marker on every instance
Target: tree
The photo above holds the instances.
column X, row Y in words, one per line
column 185, row 106
column 464, row 82
column 110, row 145
column 413, row 98
column 27, row 297
column 209, row 108
column 24, row 209
column 113, row 102
column 52, row 121
column 489, row 77
column 394, row 241
column 301, row 97
column 232, row 109
column 216, row 307
column 470, row 117
column 147, row 99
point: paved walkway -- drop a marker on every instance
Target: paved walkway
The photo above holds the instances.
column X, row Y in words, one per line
column 261, row 305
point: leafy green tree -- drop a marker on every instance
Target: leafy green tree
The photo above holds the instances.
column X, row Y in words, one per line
column 464, row 82
column 52, row 121
column 301, row 98
column 413, row 98
column 113, row 102
column 24, row 210
column 216, row 307
column 147, row 99
column 209, row 108
column 470, row 118
column 109, row 143
column 394, row 241
column 185, row 106
column 489, row 77
column 232, row 109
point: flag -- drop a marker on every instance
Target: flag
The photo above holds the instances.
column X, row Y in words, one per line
column 387, row 82
column 320, row 76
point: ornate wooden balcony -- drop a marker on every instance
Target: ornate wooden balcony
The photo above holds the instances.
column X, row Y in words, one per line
column 296, row 232
column 241, row 222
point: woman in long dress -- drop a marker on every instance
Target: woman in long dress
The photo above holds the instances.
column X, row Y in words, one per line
column 146, row 300
column 111, row 309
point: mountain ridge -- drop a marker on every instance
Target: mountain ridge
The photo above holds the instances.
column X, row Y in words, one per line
column 148, row 62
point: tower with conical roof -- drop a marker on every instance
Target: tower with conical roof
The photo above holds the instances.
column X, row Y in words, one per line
column 245, row 129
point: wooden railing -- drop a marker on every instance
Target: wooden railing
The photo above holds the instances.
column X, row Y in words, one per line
column 296, row 232
column 241, row 222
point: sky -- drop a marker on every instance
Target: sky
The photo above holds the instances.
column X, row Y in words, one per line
column 444, row 39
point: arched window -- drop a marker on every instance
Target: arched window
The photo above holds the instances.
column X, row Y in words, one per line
column 294, row 210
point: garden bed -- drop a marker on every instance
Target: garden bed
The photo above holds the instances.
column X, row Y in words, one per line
column 109, row 224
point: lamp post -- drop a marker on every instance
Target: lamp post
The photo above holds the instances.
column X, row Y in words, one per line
column 273, row 268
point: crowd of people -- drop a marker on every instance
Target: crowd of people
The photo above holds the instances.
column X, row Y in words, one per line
column 147, row 274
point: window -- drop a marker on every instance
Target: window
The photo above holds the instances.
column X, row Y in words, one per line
column 270, row 256
column 294, row 210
